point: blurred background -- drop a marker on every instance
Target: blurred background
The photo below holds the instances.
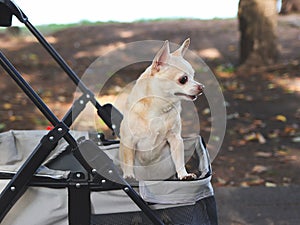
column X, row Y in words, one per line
column 252, row 47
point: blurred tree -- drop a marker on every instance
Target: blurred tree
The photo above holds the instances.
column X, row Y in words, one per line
column 258, row 32
column 289, row 6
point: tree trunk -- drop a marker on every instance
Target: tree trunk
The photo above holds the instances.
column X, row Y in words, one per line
column 290, row 6
column 258, row 29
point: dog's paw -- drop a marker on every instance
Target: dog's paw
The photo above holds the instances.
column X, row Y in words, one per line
column 189, row 176
column 128, row 173
column 125, row 176
column 130, row 179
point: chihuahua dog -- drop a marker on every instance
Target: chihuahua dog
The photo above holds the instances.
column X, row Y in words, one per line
column 152, row 112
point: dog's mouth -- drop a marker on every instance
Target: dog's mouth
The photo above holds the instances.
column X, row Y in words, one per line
column 189, row 97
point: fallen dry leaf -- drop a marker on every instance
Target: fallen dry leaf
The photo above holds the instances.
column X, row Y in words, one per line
column 253, row 180
column 233, row 116
column 243, row 97
column 261, row 139
column 281, row 153
column 274, row 134
column 290, row 130
column 263, row 154
column 244, row 130
column 12, row 118
column 291, row 158
column 259, row 169
column 220, row 181
column 255, row 124
column 270, row 184
column 250, row 137
column 281, row 118
column 241, row 142
column 255, row 137
column 7, row 106
column 259, row 123
column 244, row 184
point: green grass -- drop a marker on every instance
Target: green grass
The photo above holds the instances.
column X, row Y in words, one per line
column 161, row 20
column 51, row 28
column 176, row 19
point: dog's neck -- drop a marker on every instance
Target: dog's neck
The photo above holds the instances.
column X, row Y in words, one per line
column 168, row 108
column 171, row 106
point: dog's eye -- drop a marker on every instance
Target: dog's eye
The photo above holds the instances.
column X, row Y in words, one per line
column 183, row 79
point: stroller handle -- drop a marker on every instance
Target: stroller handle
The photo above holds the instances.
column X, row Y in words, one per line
column 10, row 8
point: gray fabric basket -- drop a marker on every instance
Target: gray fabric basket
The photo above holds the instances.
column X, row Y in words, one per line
column 50, row 206
column 175, row 191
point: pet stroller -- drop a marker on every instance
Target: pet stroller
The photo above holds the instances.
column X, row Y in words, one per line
column 70, row 177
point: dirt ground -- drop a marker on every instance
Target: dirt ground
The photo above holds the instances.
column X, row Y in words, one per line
column 261, row 145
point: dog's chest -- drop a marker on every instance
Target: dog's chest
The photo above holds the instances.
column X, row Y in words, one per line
column 153, row 139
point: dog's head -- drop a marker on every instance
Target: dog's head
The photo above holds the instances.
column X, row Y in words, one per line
column 176, row 73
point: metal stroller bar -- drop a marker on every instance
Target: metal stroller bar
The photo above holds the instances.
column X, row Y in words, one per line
column 61, row 62
column 5, row 63
column 34, row 97
column 102, row 112
column 19, row 183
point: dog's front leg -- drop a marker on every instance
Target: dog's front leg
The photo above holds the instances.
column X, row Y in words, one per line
column 127, row 161
column 177, row 153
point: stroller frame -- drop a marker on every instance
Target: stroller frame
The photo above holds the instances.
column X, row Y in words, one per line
column 79, row 185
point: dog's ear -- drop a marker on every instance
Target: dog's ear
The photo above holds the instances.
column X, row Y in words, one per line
column 183, row 48
column 161, row 58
